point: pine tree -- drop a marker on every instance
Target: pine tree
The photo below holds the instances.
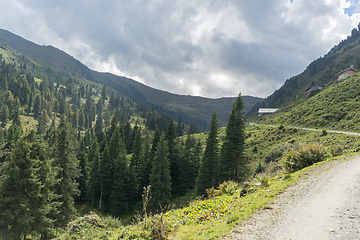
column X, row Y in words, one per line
column 25, row 191
column 103, row 93
column 42, row 123
column 4, row 115
column 189, row 165
column 67, row 163
column 99, row 128
column 83, row 164
column 160, row 178
column 136, row 159
column 209, row 168
column 233, row 164
column 93, row 160
column 106, row 178
column 37, row 105
column 120, row 199
column 179, row 129
column 173, row 152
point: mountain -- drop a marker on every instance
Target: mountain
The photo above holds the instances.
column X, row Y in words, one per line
column 321, row 71
column 335, row 107
column 191, row 109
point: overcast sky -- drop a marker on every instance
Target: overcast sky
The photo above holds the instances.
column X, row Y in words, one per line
column 213, row 48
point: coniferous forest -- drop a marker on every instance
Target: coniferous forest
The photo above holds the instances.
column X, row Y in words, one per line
column 68, row 143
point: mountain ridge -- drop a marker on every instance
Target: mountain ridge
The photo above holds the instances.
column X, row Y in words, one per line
column 320, row 71
column 192, row 109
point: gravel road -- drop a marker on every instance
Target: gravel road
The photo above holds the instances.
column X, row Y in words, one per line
column 323, row 205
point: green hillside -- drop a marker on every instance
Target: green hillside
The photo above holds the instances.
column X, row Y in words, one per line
column 191, row 109
column 321, row 71
column 335, row 107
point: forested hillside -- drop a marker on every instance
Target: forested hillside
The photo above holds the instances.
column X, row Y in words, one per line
column 320, row 71
column 67, row 142
column 54, row 62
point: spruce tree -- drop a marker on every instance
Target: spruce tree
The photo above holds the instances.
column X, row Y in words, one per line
column 120, row 199
column 160, row 178
column 99, row 128
column 188, row 165
column 94, row 181
column 67, row 163
column 25, row 190
column 137, row 156
column 233, row 164
column 170, row 137
column 209, row 168
column 83, row 164
column 106, row 169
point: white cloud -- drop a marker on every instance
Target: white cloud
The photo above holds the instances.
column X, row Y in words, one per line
column 211, row 48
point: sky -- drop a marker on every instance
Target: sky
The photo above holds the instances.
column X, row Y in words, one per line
column 209, row 48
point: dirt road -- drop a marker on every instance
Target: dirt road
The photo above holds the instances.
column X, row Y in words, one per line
column 323, row 205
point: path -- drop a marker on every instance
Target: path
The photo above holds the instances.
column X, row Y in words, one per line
column 323, row 205
column 310, row 129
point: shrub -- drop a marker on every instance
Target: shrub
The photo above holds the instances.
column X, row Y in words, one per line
column 275, row 154
column 227, row 187
column 259, row 168
column 304, row 156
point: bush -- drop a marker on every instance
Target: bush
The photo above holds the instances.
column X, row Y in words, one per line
column 275, row 154
column 304, row 156
column 227, row 187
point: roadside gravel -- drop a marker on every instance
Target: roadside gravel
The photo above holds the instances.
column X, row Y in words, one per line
column 324, row 204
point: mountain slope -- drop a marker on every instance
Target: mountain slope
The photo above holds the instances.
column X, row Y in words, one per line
column 192, row 109
column 336, row 107
column 320, row 71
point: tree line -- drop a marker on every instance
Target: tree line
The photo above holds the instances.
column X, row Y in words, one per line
column 86, row 150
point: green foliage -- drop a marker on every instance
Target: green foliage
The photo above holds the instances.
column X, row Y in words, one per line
column 160, row 178
column 304, row 156
column 26, row 197
column 232, row 162
column 335, row 107
column 209, row 168
column 227, row 187
column 66, row 161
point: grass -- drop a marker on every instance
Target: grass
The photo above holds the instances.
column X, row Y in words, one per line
column 189, row 218
column 335, row 107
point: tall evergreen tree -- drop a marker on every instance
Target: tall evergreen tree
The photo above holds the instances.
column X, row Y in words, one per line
column 209, row 168
column 233, row 164
column 42, row 123
column 160, row 178
column 136, row 159
column 189, row 165
column 67, row 163
column 83, row 164
column 120, row 197
column 99, row 128
column 94, row 181
column 106, row 178
column 179, row 129
column 103, row 93
column 25, row 190
column 173, row 151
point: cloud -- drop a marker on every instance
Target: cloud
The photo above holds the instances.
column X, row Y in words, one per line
column 210, row 48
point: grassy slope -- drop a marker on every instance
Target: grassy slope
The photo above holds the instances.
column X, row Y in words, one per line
column 213, row 218
column 337, row 106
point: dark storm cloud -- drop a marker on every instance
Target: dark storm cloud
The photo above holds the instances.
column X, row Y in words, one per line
column 210, row 48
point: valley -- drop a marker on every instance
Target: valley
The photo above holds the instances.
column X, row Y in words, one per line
column 89, row 155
